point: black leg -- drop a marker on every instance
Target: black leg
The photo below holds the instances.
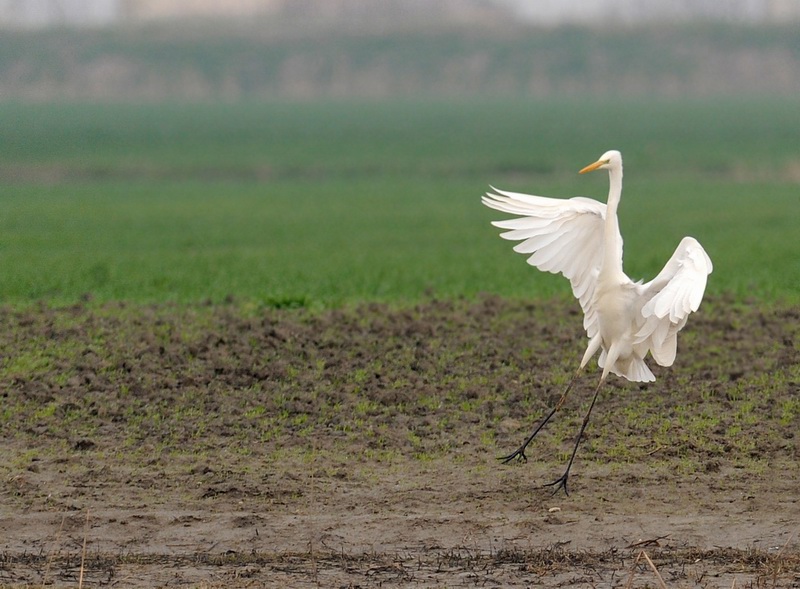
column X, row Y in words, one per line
column 561, row 482
column 520, row 452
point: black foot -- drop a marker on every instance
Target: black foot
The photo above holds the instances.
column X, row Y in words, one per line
column 518, row 453
column 559, row 483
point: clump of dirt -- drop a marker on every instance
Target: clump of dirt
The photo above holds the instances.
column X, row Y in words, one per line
column 235, row 445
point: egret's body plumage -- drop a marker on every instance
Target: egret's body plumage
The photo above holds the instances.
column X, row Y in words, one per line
column 624, row 320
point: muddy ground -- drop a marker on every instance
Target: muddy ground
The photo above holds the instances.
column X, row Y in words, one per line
column 238, row 446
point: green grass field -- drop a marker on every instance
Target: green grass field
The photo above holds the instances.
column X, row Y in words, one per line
column 328, row 203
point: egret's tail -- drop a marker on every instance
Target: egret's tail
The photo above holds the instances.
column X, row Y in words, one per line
column 632, row 368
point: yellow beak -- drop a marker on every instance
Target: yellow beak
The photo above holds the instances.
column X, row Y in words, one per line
column 593, row 167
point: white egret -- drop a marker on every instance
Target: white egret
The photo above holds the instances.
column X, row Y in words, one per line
column 624, row 320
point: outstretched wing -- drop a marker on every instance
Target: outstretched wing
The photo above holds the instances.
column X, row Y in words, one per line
column 563, row 236
column 670, row 297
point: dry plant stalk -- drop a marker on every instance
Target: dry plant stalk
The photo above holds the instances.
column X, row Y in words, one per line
column 83, row 551
column 641, row 554
column 52, row 553
column 655, row 570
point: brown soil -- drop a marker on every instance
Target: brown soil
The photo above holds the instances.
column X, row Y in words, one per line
column 237, row 446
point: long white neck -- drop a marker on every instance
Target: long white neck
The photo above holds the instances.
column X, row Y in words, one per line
column 612, row 251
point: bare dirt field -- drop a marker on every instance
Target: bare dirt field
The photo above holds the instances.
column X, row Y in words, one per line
column 237, row 446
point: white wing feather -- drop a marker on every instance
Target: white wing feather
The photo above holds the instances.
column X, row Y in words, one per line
column 670, row 297
column 562, row 235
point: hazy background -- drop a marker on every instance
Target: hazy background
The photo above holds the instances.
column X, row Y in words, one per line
column 131, row 50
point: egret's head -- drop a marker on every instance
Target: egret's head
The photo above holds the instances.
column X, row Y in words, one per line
column 610, row 160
